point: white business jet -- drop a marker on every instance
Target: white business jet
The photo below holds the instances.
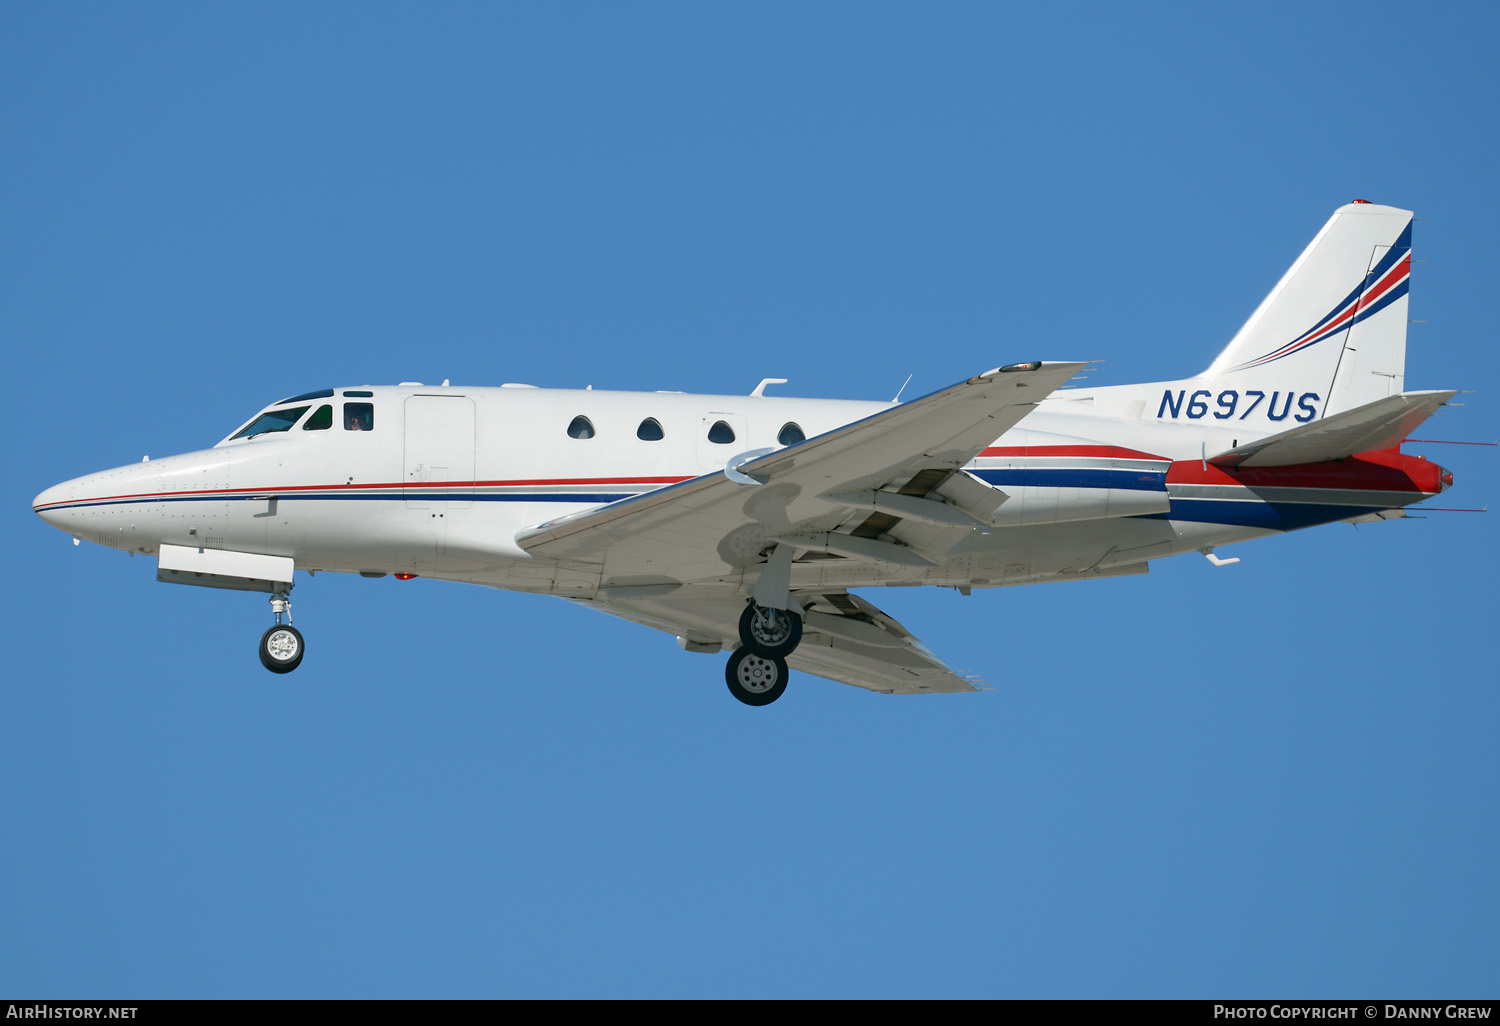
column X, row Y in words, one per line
column 747, row 522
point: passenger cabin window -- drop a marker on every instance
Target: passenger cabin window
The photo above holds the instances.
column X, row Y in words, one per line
column 721, row 433
column 791, row 434
column 321, row 420
column 581, row 427
column 359, row 416
column 270, row 421
column 650, row 430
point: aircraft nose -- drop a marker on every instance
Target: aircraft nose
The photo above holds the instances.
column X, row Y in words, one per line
column 52, row 505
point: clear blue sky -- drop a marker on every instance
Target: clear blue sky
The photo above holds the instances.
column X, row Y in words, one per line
column 1273, row 779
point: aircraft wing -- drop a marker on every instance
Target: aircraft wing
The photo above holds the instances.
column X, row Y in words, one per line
column 1382, row 424
column 845, row 638
column 723, row 521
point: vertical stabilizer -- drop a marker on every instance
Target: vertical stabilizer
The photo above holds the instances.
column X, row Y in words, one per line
column 1336, row 322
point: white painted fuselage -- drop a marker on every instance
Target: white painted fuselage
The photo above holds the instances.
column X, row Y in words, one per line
column 445, row 478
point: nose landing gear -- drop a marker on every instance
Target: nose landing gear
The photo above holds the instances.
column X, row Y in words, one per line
column 281, row 647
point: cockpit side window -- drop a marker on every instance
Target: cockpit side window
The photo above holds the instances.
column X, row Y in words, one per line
column 359, row 416
column 270, row 421
column 321, row 420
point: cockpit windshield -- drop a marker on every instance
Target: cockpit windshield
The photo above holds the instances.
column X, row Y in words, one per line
column 325, row 417
column 271, row 420
column 322, row 393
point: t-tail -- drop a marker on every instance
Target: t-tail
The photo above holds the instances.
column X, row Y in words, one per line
column 1316, row 376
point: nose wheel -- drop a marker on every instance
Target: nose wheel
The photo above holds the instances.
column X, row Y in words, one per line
column 282, row 647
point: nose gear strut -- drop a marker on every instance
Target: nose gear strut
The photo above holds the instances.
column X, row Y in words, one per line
column 281, row 647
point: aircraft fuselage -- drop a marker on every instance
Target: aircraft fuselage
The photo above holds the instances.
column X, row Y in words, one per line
column 444, row 478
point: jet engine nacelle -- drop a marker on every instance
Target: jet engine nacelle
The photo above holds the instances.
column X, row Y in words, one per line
column 1046, row 478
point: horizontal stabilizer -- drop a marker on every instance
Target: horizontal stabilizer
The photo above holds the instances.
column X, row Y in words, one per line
column 1383, row 424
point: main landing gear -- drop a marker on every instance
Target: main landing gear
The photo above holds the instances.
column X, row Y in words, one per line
column 281, row 647
column 770, row 632
column 755, row 679
column 756, row 672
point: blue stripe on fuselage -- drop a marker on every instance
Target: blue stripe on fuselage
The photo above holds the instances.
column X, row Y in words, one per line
column 1274, row 516
column 1074, row 477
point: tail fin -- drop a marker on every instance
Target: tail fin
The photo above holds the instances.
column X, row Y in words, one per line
column 1336, row 322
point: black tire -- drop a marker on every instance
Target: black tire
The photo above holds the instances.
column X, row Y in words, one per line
column 760, row 638
column 282, row 648
column 755, row 679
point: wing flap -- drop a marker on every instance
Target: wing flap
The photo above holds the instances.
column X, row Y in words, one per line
column 912, row 671
column 1383, row 424
column 848, row 640
column 845, row 639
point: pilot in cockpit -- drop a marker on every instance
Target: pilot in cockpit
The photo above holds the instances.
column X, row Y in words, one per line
column 358, row 416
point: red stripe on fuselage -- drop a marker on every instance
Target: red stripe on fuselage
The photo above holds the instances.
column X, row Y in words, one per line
column 1106, row 452
column 284, row 489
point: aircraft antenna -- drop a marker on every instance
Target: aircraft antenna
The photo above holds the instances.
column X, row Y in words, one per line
column 897, row 397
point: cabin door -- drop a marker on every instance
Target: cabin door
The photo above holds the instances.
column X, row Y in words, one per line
column 439, row 456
